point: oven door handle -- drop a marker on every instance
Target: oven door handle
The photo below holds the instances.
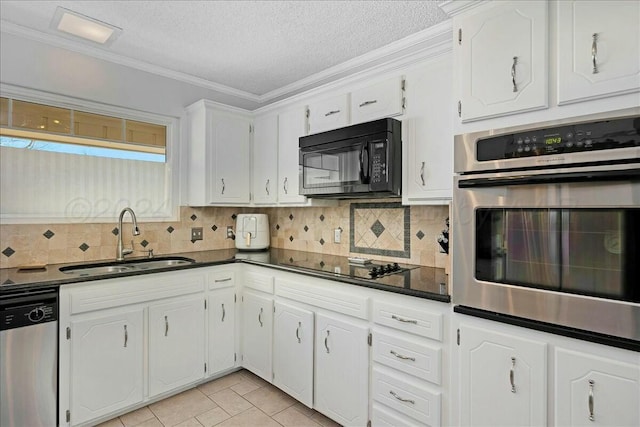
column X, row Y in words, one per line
column 552, row 178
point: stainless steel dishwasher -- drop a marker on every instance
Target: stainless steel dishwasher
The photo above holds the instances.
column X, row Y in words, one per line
column 29, row 358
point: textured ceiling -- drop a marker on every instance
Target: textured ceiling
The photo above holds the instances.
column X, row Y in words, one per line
column 251, row 46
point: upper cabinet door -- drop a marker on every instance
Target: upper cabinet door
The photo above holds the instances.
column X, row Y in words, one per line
column 598, row 49
column 265, row 159
column 502, row 60
column 231, row 151
column 329, row 113
column 291, row 126
column 384, row 99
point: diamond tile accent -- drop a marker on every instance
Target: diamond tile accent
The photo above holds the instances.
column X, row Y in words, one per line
column 214, row 227
column 115, row 231
column 234, row 216
column 377, row 228
column 170, row 229
column 321, row 241
column 321, row 217
column 291, row 238
column 277, row 226
column 8, row 282
column 420, row 235
column 193, row 217
column 306, row 228
column 8, row 252
column 83, row 247
column 291, row 259
column 291, row 217
column 321, row 263
column 144, row 243
column 49, row 234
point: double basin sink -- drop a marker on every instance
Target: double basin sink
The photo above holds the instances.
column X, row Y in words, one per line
column 114, row 267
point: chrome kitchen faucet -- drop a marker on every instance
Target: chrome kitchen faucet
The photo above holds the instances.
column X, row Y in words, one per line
column 121, row 251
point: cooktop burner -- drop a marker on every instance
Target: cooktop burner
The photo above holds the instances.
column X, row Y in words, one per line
column 340, row 266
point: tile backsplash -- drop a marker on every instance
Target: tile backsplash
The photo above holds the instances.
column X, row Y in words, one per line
column 377, row 229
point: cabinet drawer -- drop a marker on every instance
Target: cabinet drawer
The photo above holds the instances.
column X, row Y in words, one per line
column 384, row 99
column 407, row 397
column 331, row 113
column 418, row 322
column 319, row 296
column 420, row 360
column 221, row 279
column 386, row 417
column 259, row 282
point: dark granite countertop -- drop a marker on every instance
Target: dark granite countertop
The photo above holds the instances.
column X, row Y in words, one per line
column 417, row 281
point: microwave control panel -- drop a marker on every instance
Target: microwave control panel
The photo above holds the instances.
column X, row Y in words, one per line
column 591, row 136
column 378, row 163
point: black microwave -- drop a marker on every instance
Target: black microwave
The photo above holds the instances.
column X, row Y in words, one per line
column 363, row 160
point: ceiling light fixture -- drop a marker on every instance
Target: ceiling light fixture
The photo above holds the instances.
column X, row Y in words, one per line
column 82, row 26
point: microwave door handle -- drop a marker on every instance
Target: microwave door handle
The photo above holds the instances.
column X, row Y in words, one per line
column 364, row 164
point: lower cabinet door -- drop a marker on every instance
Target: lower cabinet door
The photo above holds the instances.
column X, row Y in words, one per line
column 176, row 343
column 106, row 363
column 342, row 370
column 594, row 391
column 257, row 333
column 293, row 352
column 222, row 324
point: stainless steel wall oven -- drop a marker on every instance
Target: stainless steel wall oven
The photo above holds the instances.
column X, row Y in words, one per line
column 546, row 223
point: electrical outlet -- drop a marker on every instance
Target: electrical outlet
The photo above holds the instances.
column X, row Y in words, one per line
column 230, row 233
column 196, row 233
column 337, row 233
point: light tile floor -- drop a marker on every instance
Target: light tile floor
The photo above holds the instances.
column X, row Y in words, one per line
column 240, row 399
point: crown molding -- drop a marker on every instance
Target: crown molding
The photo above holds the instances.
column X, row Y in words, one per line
column 417, row 47
column 456, row 7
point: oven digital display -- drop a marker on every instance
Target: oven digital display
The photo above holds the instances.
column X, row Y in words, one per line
column 553, row 140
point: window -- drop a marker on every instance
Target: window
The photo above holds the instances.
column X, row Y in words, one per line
column 68, row 164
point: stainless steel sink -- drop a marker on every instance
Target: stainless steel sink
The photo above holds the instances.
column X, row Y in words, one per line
column 96, row 269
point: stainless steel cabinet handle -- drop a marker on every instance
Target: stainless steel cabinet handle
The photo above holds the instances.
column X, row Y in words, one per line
column 326, row 344
column 393, row 393
column 223, row 313
column 400, row 356
column 266, row 187
column 166, row 326
column 332, row 112
column 126, row 336
column 298, row 331
column 512, row 374
column 422, row 173
column 285, row 185
column 368, row 102
column 223, row 186
column 226, row 279
column 591, row 416
column 260, row 317
column 400, row 319
column 513, row 73
column 594, row 53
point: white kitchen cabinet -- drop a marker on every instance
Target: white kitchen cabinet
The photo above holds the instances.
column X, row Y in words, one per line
column 598, row 49
column 219, row 155
column 257, row 334
column 106, row 366
column 221, row 307
column 501, row 58
column 265, row 160
column 596, row 391
column 291, row 126
column 293, row 351
column 379, row 100
column 427, row 134
column 176, row 343
column 502, row 379
column 341, row 369
column 329, row 113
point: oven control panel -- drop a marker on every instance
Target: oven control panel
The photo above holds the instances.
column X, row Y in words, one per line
column 591, row 136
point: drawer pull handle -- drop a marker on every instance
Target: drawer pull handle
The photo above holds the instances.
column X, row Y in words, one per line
column 400, row 356
column 298, row 331
column 368, row 103
column 226, row 279
column 223, row 313
column 326, row 344
column 332, row 112
column 400, row 319
column 401, row 399
column 260, row 317
column 591, row 416
column 126, row 336
column 594, row 53
column 512, row 375
column 166, row 326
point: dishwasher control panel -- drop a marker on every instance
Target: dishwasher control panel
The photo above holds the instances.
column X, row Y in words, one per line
column 28, row 309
